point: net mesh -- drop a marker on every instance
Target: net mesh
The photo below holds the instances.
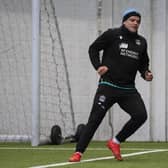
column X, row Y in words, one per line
column 56, row 98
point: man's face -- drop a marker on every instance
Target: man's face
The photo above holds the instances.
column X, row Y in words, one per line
column 132, row 23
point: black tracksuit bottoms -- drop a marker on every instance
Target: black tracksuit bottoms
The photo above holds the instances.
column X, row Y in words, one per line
column 129, row 100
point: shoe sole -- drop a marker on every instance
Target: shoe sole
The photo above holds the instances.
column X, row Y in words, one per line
column 115, row 156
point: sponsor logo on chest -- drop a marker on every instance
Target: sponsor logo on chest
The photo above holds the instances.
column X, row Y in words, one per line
column 125, row 51
column 123, row 45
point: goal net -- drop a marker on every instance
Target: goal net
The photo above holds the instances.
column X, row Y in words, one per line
column 66, row 30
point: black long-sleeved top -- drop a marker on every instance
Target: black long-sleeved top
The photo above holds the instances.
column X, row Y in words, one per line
column 124, row 53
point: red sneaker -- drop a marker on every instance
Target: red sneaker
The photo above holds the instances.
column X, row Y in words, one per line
column 115, row 148
column 76, row 157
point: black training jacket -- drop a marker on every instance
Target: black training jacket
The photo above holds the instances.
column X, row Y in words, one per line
column 124, row 53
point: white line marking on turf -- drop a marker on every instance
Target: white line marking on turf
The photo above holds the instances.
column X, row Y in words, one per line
column 100, row 158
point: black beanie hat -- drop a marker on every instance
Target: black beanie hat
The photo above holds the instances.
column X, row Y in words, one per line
column 130, row 12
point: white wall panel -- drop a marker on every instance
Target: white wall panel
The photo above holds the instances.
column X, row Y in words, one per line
column 159, row 29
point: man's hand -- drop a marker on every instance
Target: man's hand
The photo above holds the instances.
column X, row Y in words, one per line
column 102, row 70
column 148, row 76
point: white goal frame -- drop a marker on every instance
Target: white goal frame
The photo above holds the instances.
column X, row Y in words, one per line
column 35, row 139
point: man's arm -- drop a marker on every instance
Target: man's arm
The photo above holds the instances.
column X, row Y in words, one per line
column 99, row 44
column 144, row 65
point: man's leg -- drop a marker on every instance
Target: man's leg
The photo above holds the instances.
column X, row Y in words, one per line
column 134, row 106
column 101, row 104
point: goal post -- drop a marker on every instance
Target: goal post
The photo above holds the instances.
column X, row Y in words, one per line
column 36, row 57
column 35, row 140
